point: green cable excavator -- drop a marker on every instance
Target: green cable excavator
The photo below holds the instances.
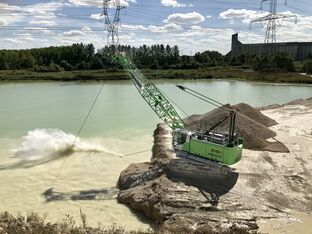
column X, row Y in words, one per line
column 215, row 150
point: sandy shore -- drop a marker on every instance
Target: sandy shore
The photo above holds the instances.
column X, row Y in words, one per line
column 294, row 129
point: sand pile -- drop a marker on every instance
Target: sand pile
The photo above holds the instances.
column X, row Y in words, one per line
column 251, row 125
column 298, row 102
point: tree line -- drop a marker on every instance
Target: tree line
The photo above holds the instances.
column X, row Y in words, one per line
column 85, row 57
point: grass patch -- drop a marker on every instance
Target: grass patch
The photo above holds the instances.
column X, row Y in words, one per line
column 35, row 224
column 227, row 73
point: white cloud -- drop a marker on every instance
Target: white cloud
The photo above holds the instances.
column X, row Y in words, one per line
column 86, row 29
column 73, row 33
column 20, row 39
column 13, row 13
column 174, row 3
column 234, row 13
column 3, row 22
column 9, row 15
column 43, row 22
column 42, row 8
column 167, row 28
column 45, row 11
column 98, row 3
column 96, row 16
column 37, row 30
column 244, row 14
column 188, row 18
column 130, row 27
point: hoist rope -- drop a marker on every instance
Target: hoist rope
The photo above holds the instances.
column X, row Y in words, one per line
column 186, row 114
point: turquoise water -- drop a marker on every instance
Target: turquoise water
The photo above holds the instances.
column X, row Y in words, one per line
column 120, row 111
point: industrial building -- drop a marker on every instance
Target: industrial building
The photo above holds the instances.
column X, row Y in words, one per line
column 298, row 51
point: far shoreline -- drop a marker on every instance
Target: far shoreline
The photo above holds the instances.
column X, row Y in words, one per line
column 215, row 73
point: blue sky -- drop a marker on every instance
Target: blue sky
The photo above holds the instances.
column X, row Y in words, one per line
column 194, row 25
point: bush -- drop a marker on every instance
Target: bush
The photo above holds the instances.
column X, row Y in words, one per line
column 307, row 66
column 51, row 68
column 55, row 67
column 274, row 63
column 235, row 62
column 262, row 64
column 66, row 65
column 283, row 62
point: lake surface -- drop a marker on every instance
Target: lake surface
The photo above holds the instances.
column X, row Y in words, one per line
column 39, row 120
column 120, row 109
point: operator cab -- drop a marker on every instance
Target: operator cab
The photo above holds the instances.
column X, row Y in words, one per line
column 180, row 137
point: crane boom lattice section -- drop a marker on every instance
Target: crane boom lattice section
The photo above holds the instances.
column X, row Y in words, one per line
column 152, row 95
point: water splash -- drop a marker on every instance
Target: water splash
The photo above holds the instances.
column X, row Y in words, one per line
column 40, row 144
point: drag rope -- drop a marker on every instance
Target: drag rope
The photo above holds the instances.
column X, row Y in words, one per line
column 88, row 114
column 134, row 153
column 79, row 131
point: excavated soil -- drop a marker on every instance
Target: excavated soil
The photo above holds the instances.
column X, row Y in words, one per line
column 269, row 185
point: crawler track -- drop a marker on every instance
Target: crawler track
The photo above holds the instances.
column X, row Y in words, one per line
column 192, row 164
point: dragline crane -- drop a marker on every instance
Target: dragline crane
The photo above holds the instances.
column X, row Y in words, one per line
column 215, row 150
column 208, row 147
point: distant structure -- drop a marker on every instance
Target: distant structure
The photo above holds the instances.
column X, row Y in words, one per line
column 112, row 25
column 270, row 20
column 298, row 51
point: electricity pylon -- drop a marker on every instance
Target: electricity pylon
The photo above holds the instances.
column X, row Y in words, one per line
column 271, row 19
column 112, row 25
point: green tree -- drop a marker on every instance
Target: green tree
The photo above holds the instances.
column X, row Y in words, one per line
column 3, row 63
column 96, row 63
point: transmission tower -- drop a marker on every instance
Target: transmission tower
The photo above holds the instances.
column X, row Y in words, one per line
column 112, row 25
column 271, row 20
